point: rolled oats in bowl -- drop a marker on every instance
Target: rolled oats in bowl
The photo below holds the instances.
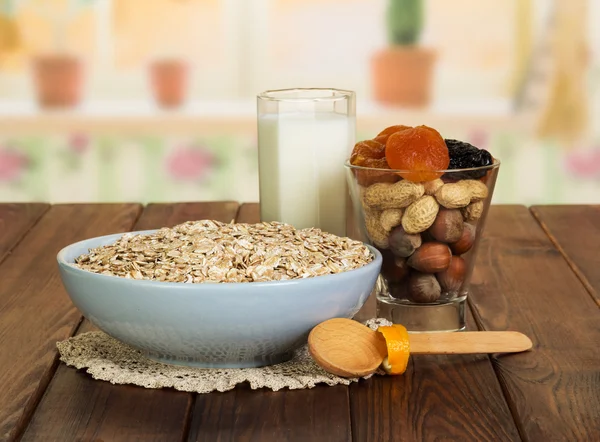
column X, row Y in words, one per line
column 155, row 301
column 212, row 251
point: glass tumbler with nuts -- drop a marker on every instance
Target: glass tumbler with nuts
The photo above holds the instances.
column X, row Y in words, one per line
column 422, row 200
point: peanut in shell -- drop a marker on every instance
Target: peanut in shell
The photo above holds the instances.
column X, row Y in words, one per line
column 381, row 196
column 420, row 215
column 453, row 195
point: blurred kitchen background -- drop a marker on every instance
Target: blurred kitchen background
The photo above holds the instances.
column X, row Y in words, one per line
column 154, row 100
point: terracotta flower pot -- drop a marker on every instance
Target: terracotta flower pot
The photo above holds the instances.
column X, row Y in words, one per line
column 403, row 75
column 169, row 80
column 58, row 80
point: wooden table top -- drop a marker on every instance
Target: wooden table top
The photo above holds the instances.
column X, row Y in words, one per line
column 538, row 272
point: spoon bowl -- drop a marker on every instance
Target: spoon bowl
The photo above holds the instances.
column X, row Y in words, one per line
column 346, row 348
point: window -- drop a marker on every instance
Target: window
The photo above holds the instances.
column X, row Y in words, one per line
column 240, row 47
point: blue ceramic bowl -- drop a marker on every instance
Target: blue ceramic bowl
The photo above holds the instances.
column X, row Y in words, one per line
column 208, row 324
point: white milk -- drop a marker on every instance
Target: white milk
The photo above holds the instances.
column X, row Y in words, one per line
column 301, row 168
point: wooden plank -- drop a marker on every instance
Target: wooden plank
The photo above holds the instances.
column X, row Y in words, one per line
column 168, row 215
column 575, row 232
column 454, row 397
column 523, row 283
column 15, row 221
column 249, row 213
column 76, row 407
column 35, row 311
column 435, row 399
column 242, row 414
column 320, row 413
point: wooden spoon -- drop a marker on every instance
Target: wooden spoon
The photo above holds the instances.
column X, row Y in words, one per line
column 347, row 348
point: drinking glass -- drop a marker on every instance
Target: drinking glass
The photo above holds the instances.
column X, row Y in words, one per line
column 304, row 135
column 428, row 234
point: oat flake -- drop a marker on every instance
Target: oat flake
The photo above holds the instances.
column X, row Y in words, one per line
column 212, row 251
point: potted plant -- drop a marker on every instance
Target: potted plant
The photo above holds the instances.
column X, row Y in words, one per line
column 169, row 81
column 10, row 34
column 58, row 75
column 402, row 73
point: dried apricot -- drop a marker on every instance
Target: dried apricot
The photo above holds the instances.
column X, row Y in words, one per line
column 383, row 136
column 371, row 153
column 420, row 151
column 366, row 177
column 367, row 149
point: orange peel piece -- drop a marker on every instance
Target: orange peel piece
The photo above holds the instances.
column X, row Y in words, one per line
column 398, row 347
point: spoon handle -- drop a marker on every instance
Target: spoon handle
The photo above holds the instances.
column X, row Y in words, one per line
column 468, row 342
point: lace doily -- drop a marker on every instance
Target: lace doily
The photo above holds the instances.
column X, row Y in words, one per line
column 107, row 359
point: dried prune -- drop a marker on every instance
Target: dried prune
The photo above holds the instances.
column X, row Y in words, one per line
column 464, row 155
column 419, row 151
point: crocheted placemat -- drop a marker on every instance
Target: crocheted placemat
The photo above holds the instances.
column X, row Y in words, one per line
column 107, row 359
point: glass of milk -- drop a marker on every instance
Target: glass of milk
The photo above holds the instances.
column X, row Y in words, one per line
column 304, row 138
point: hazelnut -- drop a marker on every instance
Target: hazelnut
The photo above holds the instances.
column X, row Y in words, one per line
column 464, row 244
column 427, row 237
column 431, row 257
column 424, row 288
column 404, row 244
column 394, row 269
column 399, row 290
column 451, row 279
column 448, row 225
